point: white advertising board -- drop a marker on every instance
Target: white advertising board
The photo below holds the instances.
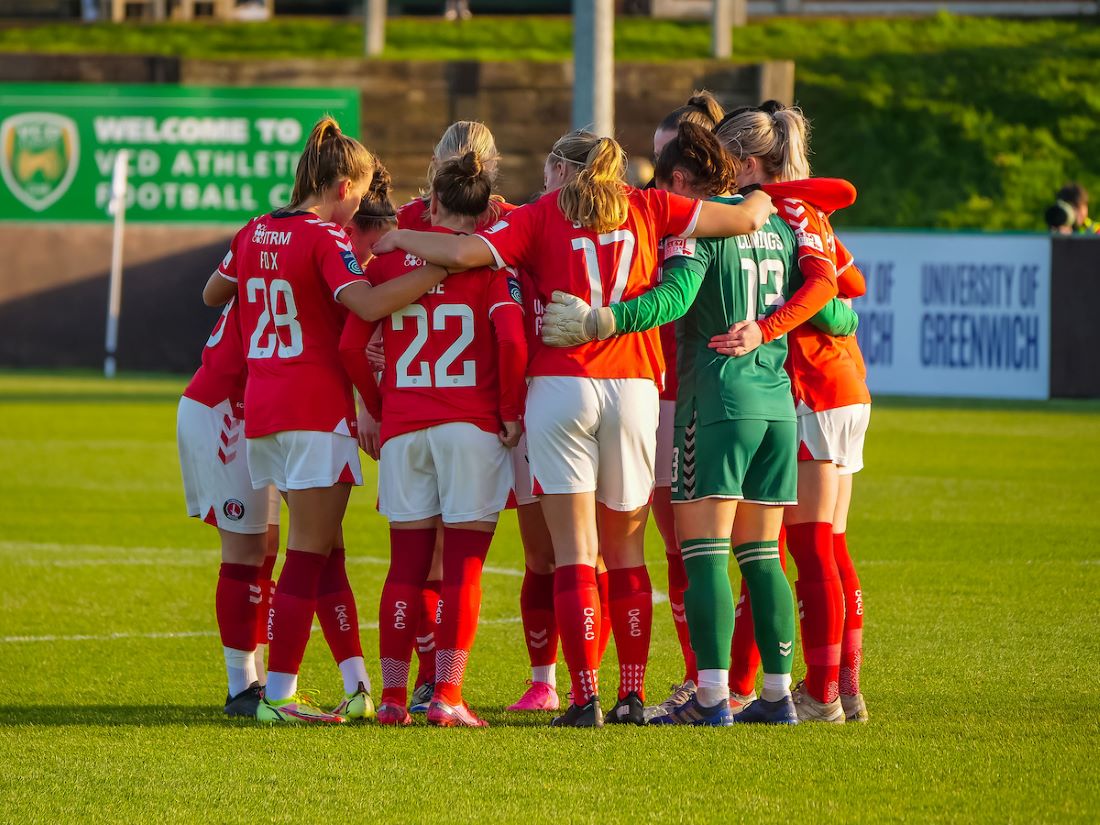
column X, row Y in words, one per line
column 964, row 315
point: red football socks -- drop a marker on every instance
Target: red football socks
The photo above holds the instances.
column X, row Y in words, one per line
column 744, row 654
column 267, row 591
column 292, row 610
column 577, row 607
column 540, row 628
column 677, row 584
column 820, row 606
column 464, row 554
column 605, row 624
column 399, row 609
column 336, row 611
column 631, row 606
column 238, row 603
column 851, row 649
column 431, row 604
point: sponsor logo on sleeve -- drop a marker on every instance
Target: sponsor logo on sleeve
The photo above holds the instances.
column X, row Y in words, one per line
column 515, row 290
column 810, row 239
column 682, row 247
column 496, row 227
column 351, row 263
column 413, row 262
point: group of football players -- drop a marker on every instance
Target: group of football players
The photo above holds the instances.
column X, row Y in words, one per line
column 597, row 353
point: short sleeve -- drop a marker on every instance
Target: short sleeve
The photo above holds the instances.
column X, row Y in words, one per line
column 336, row 260
column 511, row 238
column 673, row 215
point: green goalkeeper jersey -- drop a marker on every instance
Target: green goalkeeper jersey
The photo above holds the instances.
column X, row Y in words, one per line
column 744, row 278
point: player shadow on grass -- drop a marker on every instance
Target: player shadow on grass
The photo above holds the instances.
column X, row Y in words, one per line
column 61, row 716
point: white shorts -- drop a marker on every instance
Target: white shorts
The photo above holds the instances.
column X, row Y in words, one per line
column 593, row 435
column 303, row 460
column 521, row 468
column 665, row 433
column 835, row 435
column 216, row 482
column 455, row 470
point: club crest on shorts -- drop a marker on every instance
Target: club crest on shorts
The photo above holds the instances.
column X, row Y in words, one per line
column 233, row 509
column 39, row 156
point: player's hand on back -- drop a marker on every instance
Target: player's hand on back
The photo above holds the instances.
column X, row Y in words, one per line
column 762, row 205
column 509, row 436
column 388, row 242
column 369, row 439
column 376, row 354
column 569, row 321
column 742, row 338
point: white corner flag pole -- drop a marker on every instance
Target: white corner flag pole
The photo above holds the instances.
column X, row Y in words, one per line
column 117, row 207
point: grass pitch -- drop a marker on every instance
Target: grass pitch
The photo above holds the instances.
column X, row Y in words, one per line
column 975, row 529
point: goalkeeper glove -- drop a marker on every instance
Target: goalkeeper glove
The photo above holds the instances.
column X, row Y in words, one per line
column 569, row 321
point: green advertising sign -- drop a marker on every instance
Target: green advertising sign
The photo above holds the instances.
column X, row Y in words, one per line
column 197, row 154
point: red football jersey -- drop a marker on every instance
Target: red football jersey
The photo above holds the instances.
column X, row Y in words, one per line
column 442, row 352
column 223, row 372
column 603, row 269
column 823, row 372
column 289, row 268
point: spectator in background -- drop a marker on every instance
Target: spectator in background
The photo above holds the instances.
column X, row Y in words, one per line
column 458, row 10
column 1075, row 196
column 1060, row 218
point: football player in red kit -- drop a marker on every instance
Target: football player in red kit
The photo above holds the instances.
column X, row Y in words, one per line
column 451, row 410
column 219, row 491
column 293, row 273
column 592, row 409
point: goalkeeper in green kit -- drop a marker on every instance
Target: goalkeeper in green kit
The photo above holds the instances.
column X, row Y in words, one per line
column 735, row 450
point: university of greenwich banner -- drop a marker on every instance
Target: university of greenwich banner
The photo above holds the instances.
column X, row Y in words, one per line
column 197, row 154
column 964, row 315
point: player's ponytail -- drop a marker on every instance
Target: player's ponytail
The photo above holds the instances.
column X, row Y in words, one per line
column 329, row 156
column 595, row 197
column 776, row 135
column 463, row 185
column 702, row 108
column 376, row 210
column 700, row 157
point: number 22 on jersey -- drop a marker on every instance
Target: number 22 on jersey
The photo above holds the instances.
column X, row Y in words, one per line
column 279, row 314
column 439, row 375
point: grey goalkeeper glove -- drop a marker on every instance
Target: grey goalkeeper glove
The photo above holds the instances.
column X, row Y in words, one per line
column 569, row 321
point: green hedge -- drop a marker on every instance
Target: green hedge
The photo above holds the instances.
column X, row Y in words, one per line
column 945, row 121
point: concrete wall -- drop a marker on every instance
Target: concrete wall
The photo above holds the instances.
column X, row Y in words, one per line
column 53, row 289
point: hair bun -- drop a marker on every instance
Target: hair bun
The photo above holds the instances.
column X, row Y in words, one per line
column 470, row 165
column 382, row 183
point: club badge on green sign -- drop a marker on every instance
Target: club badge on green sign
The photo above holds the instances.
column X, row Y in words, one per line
column 41, row 155
column 196, row 154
